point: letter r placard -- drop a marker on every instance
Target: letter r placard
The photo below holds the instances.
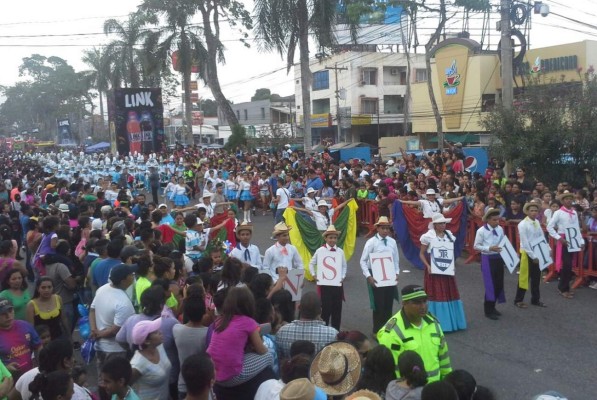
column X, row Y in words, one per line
column 329, row 268
column 382, row 267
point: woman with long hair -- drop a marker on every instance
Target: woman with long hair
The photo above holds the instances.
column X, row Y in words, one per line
column 14, row 288
column 413, row 378
column 46, row 308
column 235, row 329
column 7, row 262
column 57, row 385
column 378, row 370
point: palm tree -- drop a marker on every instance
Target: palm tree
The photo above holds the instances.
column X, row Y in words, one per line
column 177, row 34
column 123, row 52
column 98, row 74
column 282, row 24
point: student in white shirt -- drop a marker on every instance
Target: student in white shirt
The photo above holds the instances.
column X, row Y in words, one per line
column 564, row 218
column 331, row 296
column 282, row 254
column 244, row 250
column 382, row 298
column 487, row 241
column 431, row 204
column 529, row 230
column 324, row 213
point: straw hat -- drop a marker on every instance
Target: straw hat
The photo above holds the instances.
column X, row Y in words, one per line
column 323, row 203
column 281, row 228
column 490, row 213
column 528, row 205
column 244, row 227
column 301, row 389
column 565, row 194
column 331, row 230
column 336, row 369
column 363, row 395
column 438, row 218
column 430, row 192
column 383, row 221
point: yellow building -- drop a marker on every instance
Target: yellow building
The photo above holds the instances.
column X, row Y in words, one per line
column 467, row 83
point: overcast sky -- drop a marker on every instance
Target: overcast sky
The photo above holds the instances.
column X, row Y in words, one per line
column 76, row 25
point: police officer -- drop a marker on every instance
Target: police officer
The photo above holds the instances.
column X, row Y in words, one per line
column 414, row 328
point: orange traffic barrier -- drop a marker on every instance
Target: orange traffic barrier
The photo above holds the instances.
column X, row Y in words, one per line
column 367, row 216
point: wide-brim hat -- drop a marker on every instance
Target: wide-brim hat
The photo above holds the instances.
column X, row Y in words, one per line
column 438, row 218
column 383, row 221
column 331, row 230
column 323, row 203
column 490, row 213
column 565, row 195
column 363, row 395
column 430, row 192
column 336, row 369
column 244, row 227
column 530, row 204
column 281, row 228
column 311, row 190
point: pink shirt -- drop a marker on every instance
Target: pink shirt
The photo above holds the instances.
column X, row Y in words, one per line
column 227, row 348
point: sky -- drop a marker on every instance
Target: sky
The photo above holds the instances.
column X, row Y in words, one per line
column 65, row 28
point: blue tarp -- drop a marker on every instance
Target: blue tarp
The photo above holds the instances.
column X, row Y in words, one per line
column 96, row 148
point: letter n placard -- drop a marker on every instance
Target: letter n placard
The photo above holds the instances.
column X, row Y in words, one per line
column 294, row 283
column 382, row 267
column 329, row 268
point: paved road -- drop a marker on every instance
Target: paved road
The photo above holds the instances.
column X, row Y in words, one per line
column 524, row 353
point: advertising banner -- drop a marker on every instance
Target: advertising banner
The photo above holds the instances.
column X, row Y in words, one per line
column 385, row 25
column 138, row 117
column 65, row 136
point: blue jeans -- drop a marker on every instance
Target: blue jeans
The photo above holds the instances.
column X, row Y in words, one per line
column 279, row 215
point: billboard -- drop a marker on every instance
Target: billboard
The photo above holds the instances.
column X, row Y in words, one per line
column 65, row 135
column 138, row 118
column 383, row 26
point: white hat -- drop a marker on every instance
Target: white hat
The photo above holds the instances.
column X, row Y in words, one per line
column 430, row 192
column 323, row 203
column 206, row 194
column 310, row 190
column 438, row 218
column 163, row 205
column 390, row 162
column 96, row 224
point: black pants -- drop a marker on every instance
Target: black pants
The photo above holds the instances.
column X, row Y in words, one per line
column 191, row 184
column 154, row 194
column 496, row 269
column 566, row 272
column 331, row 305
column 384, row 300
column 535, row 276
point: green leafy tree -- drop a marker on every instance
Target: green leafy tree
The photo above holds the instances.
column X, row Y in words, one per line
column 551, row 130
column 98, row 74
column 237, row 139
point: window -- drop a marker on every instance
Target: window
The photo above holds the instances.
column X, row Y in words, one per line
column 246, row 115
column 369, row 105
column 262, row 112
column 420, row 75
column 321, row 106
column 369, row 76
column 237, row 114
column 393, row 104
column 321, row 80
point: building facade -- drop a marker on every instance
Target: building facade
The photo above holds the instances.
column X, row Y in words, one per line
column 362, row 92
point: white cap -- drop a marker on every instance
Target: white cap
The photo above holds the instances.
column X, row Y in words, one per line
column 390, row 162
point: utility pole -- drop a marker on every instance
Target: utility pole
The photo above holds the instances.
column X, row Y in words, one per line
column 506, row 55
column 336, row 69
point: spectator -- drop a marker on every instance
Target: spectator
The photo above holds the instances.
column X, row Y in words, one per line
column 379, row 369
column 413, row 378
column 336, row 369
column 309, row 327
column 198, row 373
column 116, row 377
column 439, row 390
column 464, row 383
column 357, row 339
column 14, row 288
column 46, row 308
column 56, row 385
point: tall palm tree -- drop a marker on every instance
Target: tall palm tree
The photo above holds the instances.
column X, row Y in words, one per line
column 98, row 74
column 281, row 25
column 124, row 51
column 177, row 34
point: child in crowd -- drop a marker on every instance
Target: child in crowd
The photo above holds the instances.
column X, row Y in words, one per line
column 116, row 378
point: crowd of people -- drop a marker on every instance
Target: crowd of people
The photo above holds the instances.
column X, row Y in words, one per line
column 182, row 304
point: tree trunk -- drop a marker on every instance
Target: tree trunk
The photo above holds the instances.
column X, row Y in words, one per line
column 186, row 61
column 428, row 55
column 211, row 72
column 101, row 107
column 303, row 21
column 406, row 108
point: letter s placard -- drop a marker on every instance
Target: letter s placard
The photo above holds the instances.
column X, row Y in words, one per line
column 329, row 265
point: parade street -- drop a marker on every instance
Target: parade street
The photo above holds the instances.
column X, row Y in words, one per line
column 526, row 352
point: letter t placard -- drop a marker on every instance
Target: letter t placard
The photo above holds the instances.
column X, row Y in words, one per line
column 382, row 268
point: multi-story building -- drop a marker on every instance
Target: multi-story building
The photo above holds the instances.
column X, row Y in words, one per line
column 364, row 92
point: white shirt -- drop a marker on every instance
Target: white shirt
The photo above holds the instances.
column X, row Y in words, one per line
column 529, row 231
column 431, row 234
column 429, row 207
column 112, row 307
column 209, row 209
column 274, row 258
column 376, row 245
column 321, row 221
column 254, row 255
column 325, row 247
column 486, row 238
column 561, row 220
column 22, row 386
column 310, row 204
column 269, row 390
column 284, row 198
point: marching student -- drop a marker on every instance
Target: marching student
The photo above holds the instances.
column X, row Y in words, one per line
column 529, row 230
column 487, row 241
column 565, row 217
column 282, row 254
column 324, row 213
column 244, row 250
column 381, row 298
column 331, row 296
column 431, row 204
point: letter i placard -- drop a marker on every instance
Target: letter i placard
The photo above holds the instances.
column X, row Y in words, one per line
column 382, row 268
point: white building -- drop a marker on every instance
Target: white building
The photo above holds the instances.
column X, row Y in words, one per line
column 372, row 91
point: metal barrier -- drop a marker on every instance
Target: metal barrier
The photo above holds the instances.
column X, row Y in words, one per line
column 367, row 216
